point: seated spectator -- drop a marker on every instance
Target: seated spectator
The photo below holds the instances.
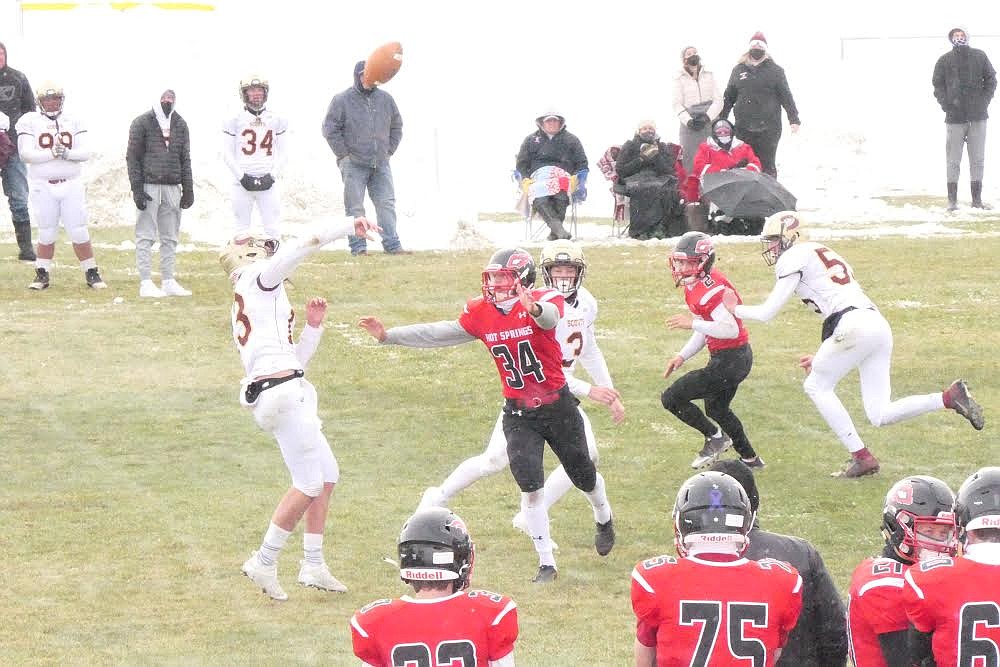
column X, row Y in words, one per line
column 651, row 172
column 720, row 152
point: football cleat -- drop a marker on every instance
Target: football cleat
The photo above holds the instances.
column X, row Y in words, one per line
column 546, row 574
column 265, row 576
column 858, row 468
column 714, row 446
column 957, row 397
column 41, row 280
column 756, row 463
column 604, row 540
column 318, row 576
column 94, row 279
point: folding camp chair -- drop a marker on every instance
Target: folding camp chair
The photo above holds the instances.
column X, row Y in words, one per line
column 534, row 232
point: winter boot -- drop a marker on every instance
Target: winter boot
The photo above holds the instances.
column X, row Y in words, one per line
column 22, row 231
column 952, row 196
column 977, row 195
column 697, row 220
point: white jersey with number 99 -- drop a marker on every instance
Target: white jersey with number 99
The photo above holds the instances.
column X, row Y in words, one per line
column 827, row 281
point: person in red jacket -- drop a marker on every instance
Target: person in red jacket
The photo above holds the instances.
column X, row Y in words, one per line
column 721, row 151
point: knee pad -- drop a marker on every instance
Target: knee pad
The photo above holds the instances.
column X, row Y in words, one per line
column 667, row 399
column 47, row 235
column 311, row 487
column 78, row 233
column 492, row 463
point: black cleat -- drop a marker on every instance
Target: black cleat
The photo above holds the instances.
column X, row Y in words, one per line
column 604, row 540
column 957, row 397
column 714, row 446
column 94, row 279
column 41, row 280
column 756, row 463
column 546, row 574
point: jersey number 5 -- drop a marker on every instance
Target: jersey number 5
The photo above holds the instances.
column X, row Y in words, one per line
column 836, row 269
column 453, row 653
column 250, row 138
column 525, row 364
column 709, row 614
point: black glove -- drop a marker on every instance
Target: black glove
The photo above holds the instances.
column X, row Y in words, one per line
column 741, row 164
column 140, row 197
column 187, row 198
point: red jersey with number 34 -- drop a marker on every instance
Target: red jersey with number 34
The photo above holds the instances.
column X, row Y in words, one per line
column 703, row 613
column 466, row 628
column 958, row 599
column 875, row 607
column 703, row 296
column 528, row 357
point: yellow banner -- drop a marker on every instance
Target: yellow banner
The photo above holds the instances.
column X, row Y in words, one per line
column 122, row 6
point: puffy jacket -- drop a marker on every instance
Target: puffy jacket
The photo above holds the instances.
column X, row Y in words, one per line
column 538, row 150
column 16, row 96
column 665, row 163
column 690, row 90
column 149, row 159
column 364, row 125
column 756, row 94
column 964, row 82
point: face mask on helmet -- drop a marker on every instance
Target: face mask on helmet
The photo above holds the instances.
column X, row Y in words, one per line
column 253, row 92
column 563, row 267
column 692, row 258
column 434, row 546
column 779, row 233
column 505, row 269
column 712, row 515
column 246, row 249
column 917, row 519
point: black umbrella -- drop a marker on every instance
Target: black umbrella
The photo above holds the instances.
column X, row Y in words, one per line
column 746, row 193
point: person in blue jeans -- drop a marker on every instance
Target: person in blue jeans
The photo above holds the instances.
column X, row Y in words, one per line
column 16, row 99
column 363, row 127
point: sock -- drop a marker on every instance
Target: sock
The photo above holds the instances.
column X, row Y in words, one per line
column 537, row 518
column 599, row 501
column 86, row 264
column 556, row 486
column 43, row 264
column 718, row 433
column 862, row 454
column 274, row 542
column 312, row 546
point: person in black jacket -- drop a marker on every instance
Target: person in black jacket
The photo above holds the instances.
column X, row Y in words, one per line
column 16, row 99
column 964, row 82
column 647, row 169
column 756, row 93
column 159, row 172
column 819, row 639
column 552, row 145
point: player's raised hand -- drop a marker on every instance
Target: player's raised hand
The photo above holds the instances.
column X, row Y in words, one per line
column 315, row 311
column 679, row 321
column 730, row 300
column 363, row 227
column 527, row 300
column 373, row 326
column 806, row 362
column 673, row 365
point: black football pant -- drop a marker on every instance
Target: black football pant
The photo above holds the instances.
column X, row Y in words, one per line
column 717, row 384
column 558, row 423
column 765, row 145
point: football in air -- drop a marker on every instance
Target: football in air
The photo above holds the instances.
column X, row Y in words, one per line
column 383, row 64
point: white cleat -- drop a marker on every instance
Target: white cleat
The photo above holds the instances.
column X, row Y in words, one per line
column 264, row 576
column 318, row 576
column 432, row 498
column 147, row 288
column 522, row 525
column 173, row 288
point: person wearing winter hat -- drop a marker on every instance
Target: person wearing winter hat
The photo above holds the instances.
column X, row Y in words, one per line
column 16, row 99
column 756, row 93
column 652, row 172
column 696, row 102
column 964, row 82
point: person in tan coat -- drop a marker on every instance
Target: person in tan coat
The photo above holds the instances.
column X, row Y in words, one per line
column 697, row 103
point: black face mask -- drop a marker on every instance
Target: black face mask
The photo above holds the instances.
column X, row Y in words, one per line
column 757, row 54
column 647, row 136
column 167, row 107
column 693, row 61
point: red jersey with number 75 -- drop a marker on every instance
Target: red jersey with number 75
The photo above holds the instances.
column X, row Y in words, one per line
column 703, row 296
column 528, row 357
column 465, row 628
column 703, row 613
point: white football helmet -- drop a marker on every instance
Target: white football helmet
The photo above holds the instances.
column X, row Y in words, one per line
column 253, row 82
column 780, row 231
column 246, row 249
column 563, row 253
column 50, row 98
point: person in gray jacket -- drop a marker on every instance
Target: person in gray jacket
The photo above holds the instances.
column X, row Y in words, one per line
column 819, row 639
column 964, row 82
column 363, row 127
column 159, row 172
column 16, row 99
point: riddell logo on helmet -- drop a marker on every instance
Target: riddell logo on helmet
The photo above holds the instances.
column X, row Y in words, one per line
column 989, row 522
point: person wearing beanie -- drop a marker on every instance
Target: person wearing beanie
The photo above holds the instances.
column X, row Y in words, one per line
column 756, row 93
column 964, row 83
column 652, row 173
column 696, row 102
column 819, row 639
column 16, row 99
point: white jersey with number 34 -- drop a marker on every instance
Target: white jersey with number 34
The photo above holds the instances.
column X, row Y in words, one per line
column 256, row 144
column 827, row 281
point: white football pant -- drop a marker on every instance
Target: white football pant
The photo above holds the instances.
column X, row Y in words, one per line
column 268, row 206
column 55, row 202
column 862, row 340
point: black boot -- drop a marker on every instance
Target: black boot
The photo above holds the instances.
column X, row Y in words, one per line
column 977, row 195
column 22, row 231
column 952, row 196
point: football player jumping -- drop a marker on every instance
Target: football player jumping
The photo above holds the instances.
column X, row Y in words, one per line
column 442, row 623
column 918, row 525
column 730, row 357
column 855, row 335
column 518, row 325
column 282, row 400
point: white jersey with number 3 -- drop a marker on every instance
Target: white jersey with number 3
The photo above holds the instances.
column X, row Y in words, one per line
column 827, row 281
column 263, row 323
column 255, row 144
column 575, row 333
column 37, row 134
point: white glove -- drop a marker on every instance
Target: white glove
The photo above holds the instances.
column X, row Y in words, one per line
column 59, row 150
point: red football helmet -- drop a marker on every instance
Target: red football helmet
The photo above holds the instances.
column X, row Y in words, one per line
column 917, row 518
column 692, row 258
column 504, row 271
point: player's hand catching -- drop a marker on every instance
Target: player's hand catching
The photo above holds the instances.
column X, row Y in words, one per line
column 528, row 301
column 730, row 300
column 362, row 227
column 373, row 326
column 315, row 311
column 673, row 365
column 605, row 395
column 679, row 321
column 806, row 362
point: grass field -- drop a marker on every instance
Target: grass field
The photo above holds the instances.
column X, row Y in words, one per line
column 134, row 486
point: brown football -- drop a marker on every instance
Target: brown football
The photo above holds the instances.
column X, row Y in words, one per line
column 383, row 64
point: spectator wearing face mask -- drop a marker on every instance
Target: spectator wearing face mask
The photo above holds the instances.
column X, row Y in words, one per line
column 756, row 93
column 696, row 102
column 964, row 83
column 651, row 172
column 721, row 151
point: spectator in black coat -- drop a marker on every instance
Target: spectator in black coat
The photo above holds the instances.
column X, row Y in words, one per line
column 819, row 639
column 16, row 99
column 756, row 93
column 964, row 83
column 649, row 172
column 551, row 145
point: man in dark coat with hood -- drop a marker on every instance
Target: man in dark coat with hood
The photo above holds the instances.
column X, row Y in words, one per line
column 16, row 99
column 364, row 127
column 964, row 82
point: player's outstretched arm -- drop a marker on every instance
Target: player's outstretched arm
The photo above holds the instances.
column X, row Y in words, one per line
column 290, row 255
column 374, row 327
column 430, row 334
column 765, row 312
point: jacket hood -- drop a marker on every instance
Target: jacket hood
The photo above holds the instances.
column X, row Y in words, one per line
column 359, row 69
column 3, row 48
column 546, row 114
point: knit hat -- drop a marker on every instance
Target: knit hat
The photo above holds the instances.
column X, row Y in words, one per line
column 645, row 123
column 758, row 41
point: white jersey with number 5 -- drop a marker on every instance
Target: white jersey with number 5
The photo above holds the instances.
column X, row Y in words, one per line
column 37, row 134
column 263, row 322
column 827, row 281
column 255, row 145
column 575, row 333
